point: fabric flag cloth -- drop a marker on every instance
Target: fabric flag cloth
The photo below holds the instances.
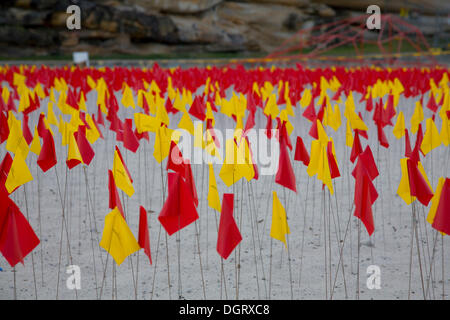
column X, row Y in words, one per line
column 179, row 209
column 435, row 200
column 117, row 238
column 356, row 148
column 442, row 216
column 114, row 200
column 121, row 174
column 73, row 154
column 285, row 175
column 399, row 128
column 431, row 138
column 143, row 238
column 86, row 151
column 279, row 228
column 419, row 187
column 47, row 156
column 365, row 196
column 130, row 140
column 18, row 175
column 228, row 235
column 5, row 166
column 17, row 238
column 213, row 193
column 301, row 153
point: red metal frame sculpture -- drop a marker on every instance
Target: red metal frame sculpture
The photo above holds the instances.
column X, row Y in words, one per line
column 320, row 39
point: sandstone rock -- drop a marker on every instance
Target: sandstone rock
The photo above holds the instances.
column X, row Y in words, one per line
column 148, row 27
column 325, row 11
column 175, row 6
column 69, row 39
column 40, row 4
column 22, row 17
column 58, row 19
column 18, row 35
column 252, row 21
column 294, row 3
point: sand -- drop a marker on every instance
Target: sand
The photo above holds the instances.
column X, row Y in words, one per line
column 302, row 278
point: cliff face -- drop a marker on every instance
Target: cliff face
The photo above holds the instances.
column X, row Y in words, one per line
column 142, row 27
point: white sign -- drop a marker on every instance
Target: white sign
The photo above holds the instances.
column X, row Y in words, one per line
column 80, row 57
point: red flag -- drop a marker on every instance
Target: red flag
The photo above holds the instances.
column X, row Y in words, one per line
column 26, row 130
column 301, row 153
column 408, row 151
column 100, row 117
column 47, row 157
column 365, row 196
column 356, row 148
column 442, row 218
column 86, row 151
column 143, row 238
column 250, row 122
column 415, row 155
column 228, row 235
column 418, row 186
column 129, row 138
column 17, row 238
column 269, row 127
column 175, row 160
column 381, row 136
column 5, row 166
column 123, row 162
column 334, row 169
column 179, row 209
column 310, row 112
column 114, row 200
column 432, row 103
column 41, row 126
column 285, row 174
column 189, row 177
column 4, row 129
column 368, row 162
column 198, row 108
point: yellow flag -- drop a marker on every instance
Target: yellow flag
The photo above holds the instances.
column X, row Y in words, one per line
column 334, row 118
column 127, row 97
column 186, row 123
column 73, row 153
column 404, row 190
column 349, row 136
column 237, row 163
column 35, row 145
column 350, row 113
column 271, row 107
column 117, row 238
column 445, row 131
column 123, row 180
column 306, row 98
column 82, row 103
column 145, row 123
column 51, row 115
column 399, row 128
column 92, row 134
column 417, row 117
column 318, row 164
column 431, row 137
column 162, row 143
column 16, row 142
column 19, row 173
column 435, row 200
column 279, row 228
column 161, row 112
column 213, row 193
